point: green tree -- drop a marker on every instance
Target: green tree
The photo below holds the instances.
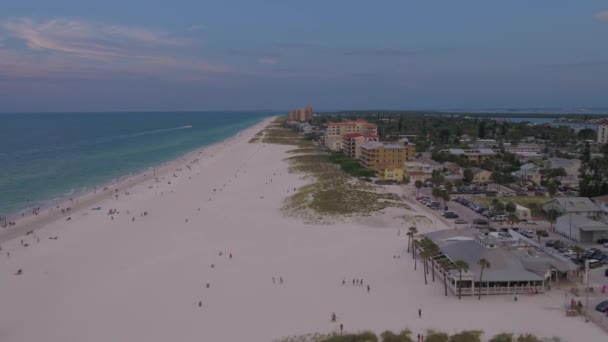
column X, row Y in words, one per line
column 511, row 208
column 468, row 175
column 481, row 130
column 418, row 184
column 461, row 266
column 528, row 338
column 412, row 231
column 445, row 196
column 483, row 263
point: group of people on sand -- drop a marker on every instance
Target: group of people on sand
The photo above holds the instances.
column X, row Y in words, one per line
column 334, row 319
column 358, row 282
column 280, row 280
column 4, row 222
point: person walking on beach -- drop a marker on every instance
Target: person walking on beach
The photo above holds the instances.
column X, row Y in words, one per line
column 333, row 316
column 368, row 288
column 280, row 280
column 419, row 313
column 341, row 328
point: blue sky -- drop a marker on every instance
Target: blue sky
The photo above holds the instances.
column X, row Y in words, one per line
column 108, row 55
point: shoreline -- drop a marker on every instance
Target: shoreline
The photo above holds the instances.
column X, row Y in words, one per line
column 52, row 211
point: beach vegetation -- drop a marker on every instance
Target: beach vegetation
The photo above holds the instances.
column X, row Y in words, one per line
column 406, row 336
column 437, row 336
column 467, row 336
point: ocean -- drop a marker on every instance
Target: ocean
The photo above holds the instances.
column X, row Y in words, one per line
column 48, row 157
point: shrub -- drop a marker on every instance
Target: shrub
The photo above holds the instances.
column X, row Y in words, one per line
column 467, row 336
column 389, row 336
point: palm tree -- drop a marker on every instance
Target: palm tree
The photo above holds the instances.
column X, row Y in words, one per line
column 418, row 185
column 513, row 219
column 424, row 254
column 434, row 250
column 511, row 208
column 445, row 266
column 461, row 266
column 410, row 234
column 414, row 246
column 484, row 263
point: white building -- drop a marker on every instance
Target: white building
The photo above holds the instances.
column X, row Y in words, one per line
column 602, row 133
column 523, row 213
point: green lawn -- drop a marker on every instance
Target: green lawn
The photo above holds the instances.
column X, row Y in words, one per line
column 526, row 201
column 534, row 203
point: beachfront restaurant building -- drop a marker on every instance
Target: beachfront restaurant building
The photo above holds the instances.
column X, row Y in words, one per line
column 518, row 265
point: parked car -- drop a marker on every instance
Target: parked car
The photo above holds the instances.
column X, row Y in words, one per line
column 550, row 243
column 602, row 307
column 461, row 221
column 480, row 222
column 542, row 233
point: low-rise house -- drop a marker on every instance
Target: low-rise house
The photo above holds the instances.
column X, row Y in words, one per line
column 571, row 166
column 574, row 205
column 475, row 155
column 485, row 143
column 481, row 176
column 528, row 172
column 420, row 168
column 452, row 168
column 523, row 148
column 580, row 228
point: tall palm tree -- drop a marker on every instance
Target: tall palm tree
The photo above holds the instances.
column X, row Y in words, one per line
column 424, row 255
column 412, row 231
column 445, row 266
column 461, row 266
column 511, row 208
column 433, row 251
column 414, row 246
column 484, row 263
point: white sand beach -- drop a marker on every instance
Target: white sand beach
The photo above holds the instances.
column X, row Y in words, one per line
column 135, row 277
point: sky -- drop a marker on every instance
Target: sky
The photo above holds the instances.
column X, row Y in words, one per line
column 153, row 55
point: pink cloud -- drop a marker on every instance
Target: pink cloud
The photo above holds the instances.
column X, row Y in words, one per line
column 76, row 46
column 267, row 61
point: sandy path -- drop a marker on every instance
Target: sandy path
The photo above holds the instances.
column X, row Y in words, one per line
column 119, row 280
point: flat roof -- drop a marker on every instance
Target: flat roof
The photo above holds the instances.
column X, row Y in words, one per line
column 511, row 257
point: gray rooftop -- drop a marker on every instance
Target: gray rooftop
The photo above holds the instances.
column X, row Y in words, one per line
column 511, row 258
column 583, row 223
column 575, row 204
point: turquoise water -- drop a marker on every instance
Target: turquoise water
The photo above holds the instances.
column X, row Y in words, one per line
column 46, row 157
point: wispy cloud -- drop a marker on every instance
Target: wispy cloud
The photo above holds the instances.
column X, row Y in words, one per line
column 299, row 45
column 389, row 52
column 601, row 16
column 578, row 64
column 72, row 45
column 197, row 27
column 268, row 60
